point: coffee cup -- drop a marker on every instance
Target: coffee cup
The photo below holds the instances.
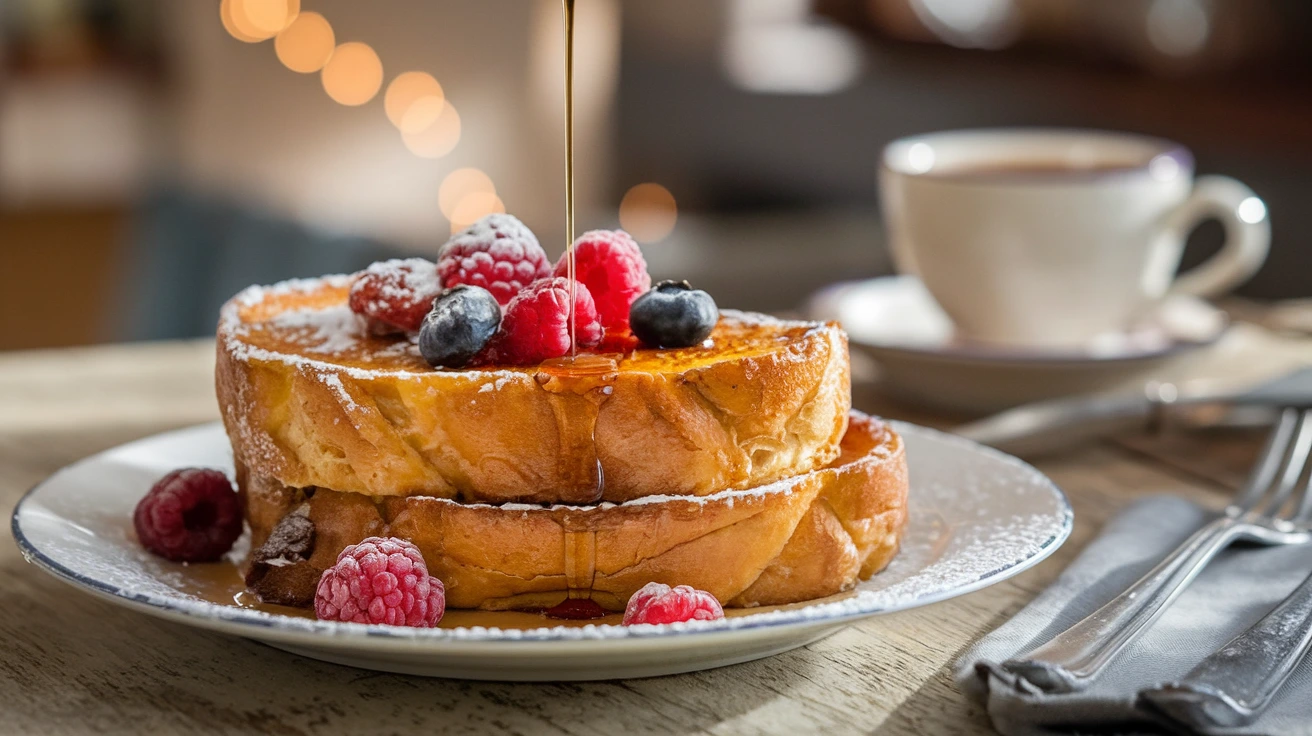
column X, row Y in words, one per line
column 1054, row 238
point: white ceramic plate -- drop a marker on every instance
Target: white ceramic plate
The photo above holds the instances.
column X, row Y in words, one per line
column 977, row 517
column 895, row 321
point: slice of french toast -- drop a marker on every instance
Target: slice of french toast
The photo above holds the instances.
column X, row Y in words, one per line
column 805, row 537
column 310, row 400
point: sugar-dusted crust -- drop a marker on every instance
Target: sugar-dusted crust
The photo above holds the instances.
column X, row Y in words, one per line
column 806, row 537
column 309, row 400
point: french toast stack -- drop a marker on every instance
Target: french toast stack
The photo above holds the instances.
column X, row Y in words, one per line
column 736, row 467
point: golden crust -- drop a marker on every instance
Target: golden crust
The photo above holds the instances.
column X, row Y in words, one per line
column 812, row 535
column 310, row 401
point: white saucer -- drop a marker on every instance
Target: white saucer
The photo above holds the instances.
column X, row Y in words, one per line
column 896, row 322
column 977, row 517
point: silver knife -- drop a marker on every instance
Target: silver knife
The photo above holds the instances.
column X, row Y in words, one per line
column 1047, row 426
column 1234, row 685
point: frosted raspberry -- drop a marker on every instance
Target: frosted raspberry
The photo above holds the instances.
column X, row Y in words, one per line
column 497, row 253
column 610, row 263
column 661, row 604
column 395, row 296
column 190, row 515
column 380, row 581
column 536, row 325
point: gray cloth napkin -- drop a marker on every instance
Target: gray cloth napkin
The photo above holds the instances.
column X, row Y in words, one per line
column 1236, row 590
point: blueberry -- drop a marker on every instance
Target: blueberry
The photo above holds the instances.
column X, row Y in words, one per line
column 673, row 315
column 462, row 322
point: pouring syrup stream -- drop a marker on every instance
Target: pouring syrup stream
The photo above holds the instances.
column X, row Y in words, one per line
column 569, row 169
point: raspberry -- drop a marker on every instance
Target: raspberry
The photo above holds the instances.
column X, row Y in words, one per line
column 380, row 581
column 190, row 515
column 661, row 604
column 536, row 325
column 498, row 253
column 395, row 296
column 610, row 263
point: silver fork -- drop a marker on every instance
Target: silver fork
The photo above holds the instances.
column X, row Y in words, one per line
column 1267, row 511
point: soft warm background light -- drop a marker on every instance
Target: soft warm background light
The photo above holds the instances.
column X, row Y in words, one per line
column 475, row 207
column 431, row 129
column 649, row 213
column 597, row 64
column 423, row 114
column 460, row 184
column 230, row 24
column 306, row 45
column 249, row 126
column 405, row 93
column 257, row 20
column 354, row 74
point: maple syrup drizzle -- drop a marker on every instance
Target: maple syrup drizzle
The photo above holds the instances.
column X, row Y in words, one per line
column 576, row 378
column 569, row 170
column 578, row 387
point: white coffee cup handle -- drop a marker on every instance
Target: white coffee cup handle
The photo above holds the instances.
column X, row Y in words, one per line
column 1247, row 235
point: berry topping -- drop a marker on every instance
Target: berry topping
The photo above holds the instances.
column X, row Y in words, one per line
column 497, row 253
column 462, row 323
column 661, row 604
column 673, row 315
column 610, row 264
column 536, row 326
column 394, row 296
column 380, row 581
column 190, row 515
column 576, row 609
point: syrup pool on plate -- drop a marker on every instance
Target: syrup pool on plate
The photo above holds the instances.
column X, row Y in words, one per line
column 221, row 583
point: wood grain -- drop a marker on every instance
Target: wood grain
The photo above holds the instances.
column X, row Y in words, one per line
column 74, row 665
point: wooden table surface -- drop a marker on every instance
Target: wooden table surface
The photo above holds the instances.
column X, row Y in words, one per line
column 71, row 664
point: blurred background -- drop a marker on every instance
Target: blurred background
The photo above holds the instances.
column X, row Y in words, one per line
column 156, row 156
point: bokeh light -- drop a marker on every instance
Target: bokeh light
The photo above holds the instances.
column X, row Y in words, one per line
column 422, row 115
column 1179, row 28
column 460, row 184
column 257, row 20
column 411, row 90
column 1252, row 210
column 230, row 23
column 353, row 74
column 649, row 213
column 921, row 157
column 306, row 45
column 438, row 138
column 473, row 208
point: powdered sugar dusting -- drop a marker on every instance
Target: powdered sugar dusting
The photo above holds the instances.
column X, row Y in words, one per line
column 330, row 331
column 255, row 295
column 334, row 382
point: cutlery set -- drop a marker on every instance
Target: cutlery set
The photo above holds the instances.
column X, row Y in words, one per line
column 1232, row 686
